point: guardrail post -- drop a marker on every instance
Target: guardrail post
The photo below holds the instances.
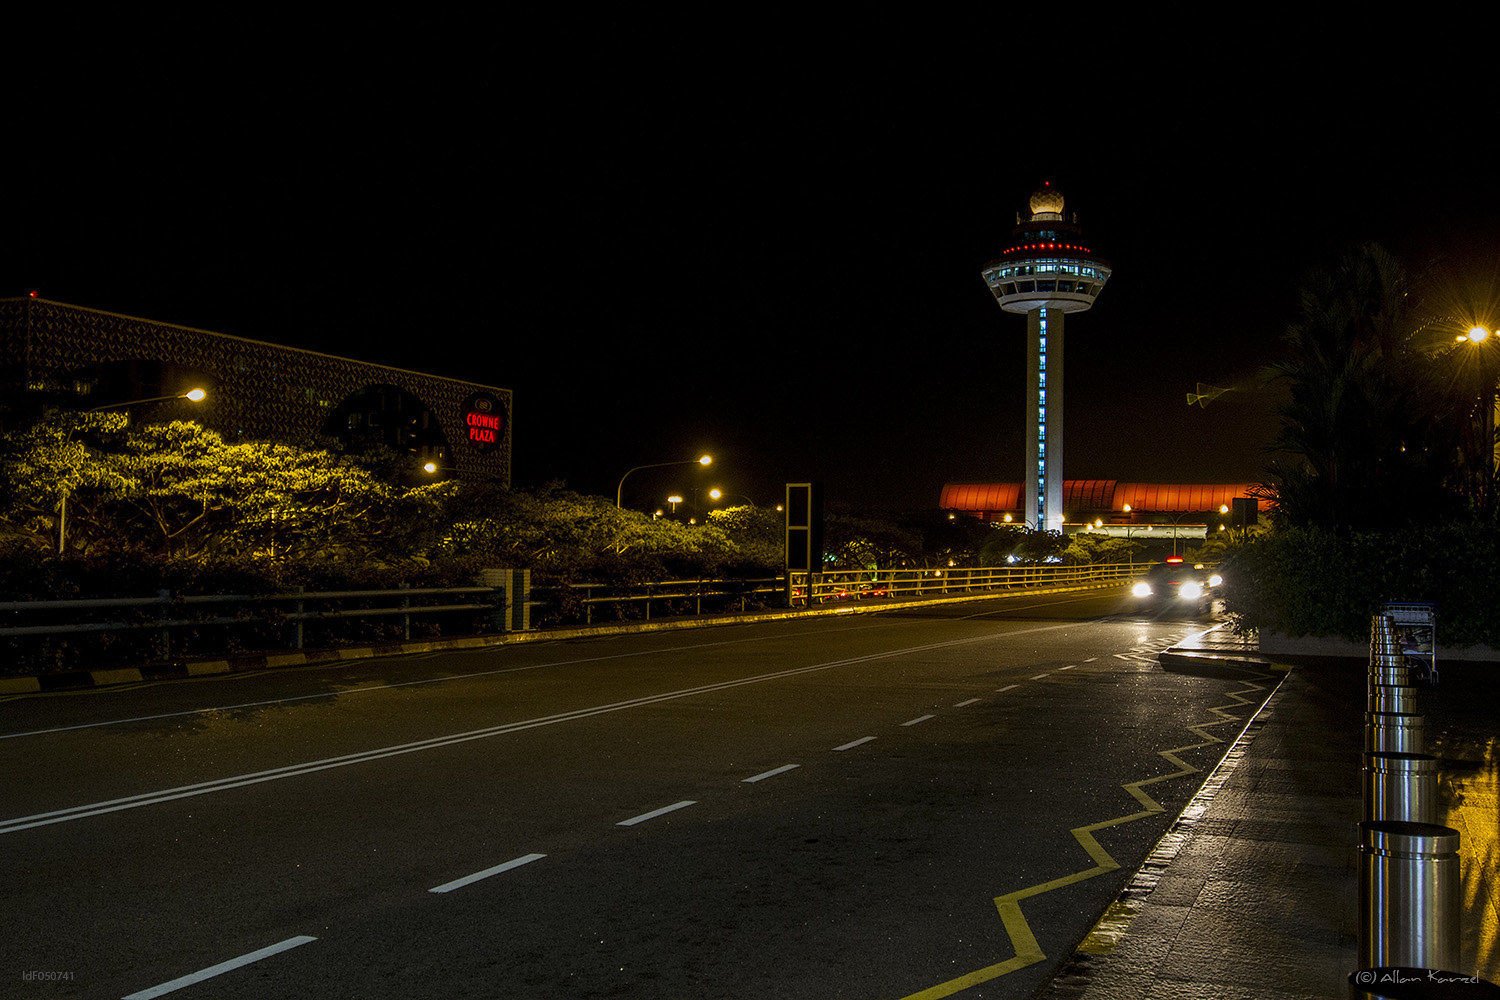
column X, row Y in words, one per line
column 298, row 607
column 164, row 634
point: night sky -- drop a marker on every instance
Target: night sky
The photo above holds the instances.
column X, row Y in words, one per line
column 773, row 255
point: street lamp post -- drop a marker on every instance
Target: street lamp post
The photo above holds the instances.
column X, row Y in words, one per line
column 1488, row 451
column 620, row 490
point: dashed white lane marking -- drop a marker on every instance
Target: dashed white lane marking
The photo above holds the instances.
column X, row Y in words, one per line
column 309, row 767
column 920, row 718
column 459, row 883
column 1006, row 688
column 1068, row 667
column 657, row 812
column 221, row 968
column 850, row 746
column 963, row 703
column 771, row 773
column 1041, row 675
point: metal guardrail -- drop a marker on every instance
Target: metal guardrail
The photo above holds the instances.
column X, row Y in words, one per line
column 167, row 612
column 282, row 618
column 847, row 585
column 595, row 594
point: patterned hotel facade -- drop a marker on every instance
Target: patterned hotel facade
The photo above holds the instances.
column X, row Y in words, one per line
column 257, row 390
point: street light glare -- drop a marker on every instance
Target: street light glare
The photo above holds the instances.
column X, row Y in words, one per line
column 1477, row 334
column 196, row 395
column 705, row 460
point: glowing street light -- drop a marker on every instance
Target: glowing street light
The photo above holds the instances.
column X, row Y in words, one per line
column 195, row 395
column 620, row 490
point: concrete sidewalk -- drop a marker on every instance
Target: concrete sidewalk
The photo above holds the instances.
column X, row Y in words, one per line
column 1253, row 893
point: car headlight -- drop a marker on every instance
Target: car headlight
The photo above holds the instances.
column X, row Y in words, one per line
column 1191, row 591
column 1216, row 581
column 1142, row 589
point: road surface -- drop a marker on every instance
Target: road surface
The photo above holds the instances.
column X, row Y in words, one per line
column 920, row 803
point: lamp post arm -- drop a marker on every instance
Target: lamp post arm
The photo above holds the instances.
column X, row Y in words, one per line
column 620, row 490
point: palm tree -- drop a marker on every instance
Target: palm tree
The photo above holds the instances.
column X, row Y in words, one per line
column 1362, row 400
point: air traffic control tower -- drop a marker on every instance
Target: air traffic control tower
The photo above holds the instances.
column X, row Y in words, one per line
column 1046, row 273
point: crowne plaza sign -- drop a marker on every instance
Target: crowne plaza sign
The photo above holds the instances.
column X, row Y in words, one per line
column 484, row 419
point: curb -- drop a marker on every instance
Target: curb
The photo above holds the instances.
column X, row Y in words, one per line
column 76, row 680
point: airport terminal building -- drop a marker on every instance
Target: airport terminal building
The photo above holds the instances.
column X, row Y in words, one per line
column 256, row 390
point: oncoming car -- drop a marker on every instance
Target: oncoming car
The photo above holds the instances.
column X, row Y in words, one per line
column 1177, row 583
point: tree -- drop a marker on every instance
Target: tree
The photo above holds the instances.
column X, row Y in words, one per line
column 179, row 490
column 1363, row 397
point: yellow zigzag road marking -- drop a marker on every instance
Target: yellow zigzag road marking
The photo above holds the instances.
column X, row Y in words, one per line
column 1028, row 952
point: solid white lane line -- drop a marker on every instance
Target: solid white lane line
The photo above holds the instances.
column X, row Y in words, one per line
column 1006, row 688
column 656, row 812
column 221, row 968
column 292, row 770
column 963, row 703
column 850, row 746
column 459, row 883
column 783, row 769
column 920, row 718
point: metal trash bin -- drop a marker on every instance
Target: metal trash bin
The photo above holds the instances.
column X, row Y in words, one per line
column 1395, row 732
column 1409, row 895
column 1399, row 786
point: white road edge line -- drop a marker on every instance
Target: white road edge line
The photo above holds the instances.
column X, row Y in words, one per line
column 657, row 812
column 850, row 746
column 459, row 883
column 920, row 718
column 783, row 769
column 221, row 968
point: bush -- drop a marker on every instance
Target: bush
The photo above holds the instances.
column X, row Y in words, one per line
column 1310, row 581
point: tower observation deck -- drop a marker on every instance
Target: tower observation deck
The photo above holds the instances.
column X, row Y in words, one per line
column 1047, row 272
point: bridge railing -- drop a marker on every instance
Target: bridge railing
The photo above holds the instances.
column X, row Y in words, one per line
column 62, row 635
column 844, row 585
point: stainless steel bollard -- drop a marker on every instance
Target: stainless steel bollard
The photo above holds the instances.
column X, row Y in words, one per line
column 1395, row 732
column 1400, row 786
column 1392, row 698
column 1409, row 895
column 1390, row 675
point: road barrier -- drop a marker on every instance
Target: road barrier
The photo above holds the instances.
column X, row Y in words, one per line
column 1409, row 877
column 1400, row 786
column 1409, row 895
column 1395, row 732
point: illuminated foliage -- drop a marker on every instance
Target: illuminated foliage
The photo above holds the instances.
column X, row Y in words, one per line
column 182, row 492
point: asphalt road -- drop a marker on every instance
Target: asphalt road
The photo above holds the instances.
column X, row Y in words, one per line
column 876, row 806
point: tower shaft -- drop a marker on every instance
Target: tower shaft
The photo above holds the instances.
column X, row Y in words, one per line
column 1044, row 408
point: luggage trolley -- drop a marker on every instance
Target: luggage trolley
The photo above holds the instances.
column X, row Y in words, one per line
column 1416, row 628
